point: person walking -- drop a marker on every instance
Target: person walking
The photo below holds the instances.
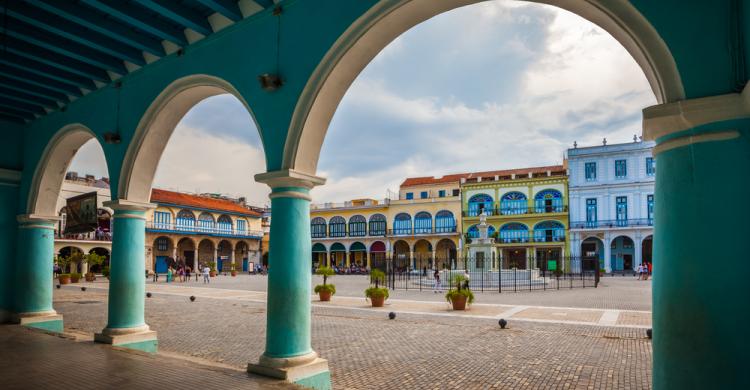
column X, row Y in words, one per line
column 206, row 274
column 170, row 274
column 436, row 276
column 466, row 279
column 187, row 273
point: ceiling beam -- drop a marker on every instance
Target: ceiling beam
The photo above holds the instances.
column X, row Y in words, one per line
column 127, row 13
column 39, row 89
column 22, row 106
column 55, row 25
column 22, row 97
column 65, row 47
column 10, row 118
column 16, row 113
column 228, row 8
column 20, row 68
column 36, row 53
column 98, row 22
column 178, row 14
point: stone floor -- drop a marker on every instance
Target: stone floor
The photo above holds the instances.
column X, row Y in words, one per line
column 417, row 350
column 53, row 362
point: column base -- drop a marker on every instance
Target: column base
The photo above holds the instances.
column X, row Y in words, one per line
column 140, row 338
column 44, row 320
column 308, row 370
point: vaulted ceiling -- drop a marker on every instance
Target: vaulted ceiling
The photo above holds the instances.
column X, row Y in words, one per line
column 54, row 51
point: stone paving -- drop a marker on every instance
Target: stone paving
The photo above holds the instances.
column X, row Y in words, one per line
column 54, row 362
column 415, row 351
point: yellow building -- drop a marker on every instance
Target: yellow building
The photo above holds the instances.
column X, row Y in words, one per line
column 418, row 230
column 195, row 230
column 527, row 210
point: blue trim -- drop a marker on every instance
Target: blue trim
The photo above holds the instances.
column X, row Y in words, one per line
column 180, row 15
column 124, row 11
column 195, row 232
column 205, row 209
column 228, row 8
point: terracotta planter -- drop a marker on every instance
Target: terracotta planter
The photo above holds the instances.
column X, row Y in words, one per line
column 377, row 301
column 459, row 302
column 90, row 277
column 234, row 273
column 75, row 279
column 63, row 279
column 212, row 273
column 325, row 296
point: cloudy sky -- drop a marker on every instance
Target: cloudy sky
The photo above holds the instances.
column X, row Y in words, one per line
column 490, row 86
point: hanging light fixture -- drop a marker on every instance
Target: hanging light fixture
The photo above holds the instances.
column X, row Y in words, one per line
column 272, row 81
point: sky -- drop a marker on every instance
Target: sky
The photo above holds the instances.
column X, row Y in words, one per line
column 489, row 86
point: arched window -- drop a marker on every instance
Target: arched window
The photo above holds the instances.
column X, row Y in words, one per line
column 423, row 223
column 479, row 203
column 474, row 231
column 337, row 227
column 377, row 225
column 402, row 224
column 549, row 231
column 205, row 222
column 357, row 226
column 241, row 226
column 224, row 224
column 549, row 201
column 185, row 220
column 514, row 232
column 318, row 227
column 513, row 203
column 445, row 222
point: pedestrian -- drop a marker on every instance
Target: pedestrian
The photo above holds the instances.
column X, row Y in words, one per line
column 170, row 274
column 466, row 279
column 156, row 276
column 182, row 274
column 187, row 273
column 436, row 276
column 206, row 274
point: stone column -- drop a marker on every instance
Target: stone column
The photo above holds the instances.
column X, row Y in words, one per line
column 346, row 258
column 32, row 283
column 288, row 354
column 126, row 325
column 637, row 251
column 216, row 259
column 607, row 253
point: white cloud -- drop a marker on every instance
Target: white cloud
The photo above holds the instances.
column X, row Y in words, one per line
column 196, row 161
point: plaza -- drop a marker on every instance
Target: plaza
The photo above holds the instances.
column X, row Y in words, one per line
column 426, row 346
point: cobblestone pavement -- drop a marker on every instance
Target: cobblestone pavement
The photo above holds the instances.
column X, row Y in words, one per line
column 614, row 292
column 58, row 363
column 415, row 351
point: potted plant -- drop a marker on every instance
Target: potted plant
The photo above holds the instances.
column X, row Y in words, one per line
column 460, row 295
column 63, row 278
column 377, row 294
column 212, row 265
column 233, row 269
column 93, row 259
column 63, row 262
column 325, row 290
column 75, row 277
column 105, row 272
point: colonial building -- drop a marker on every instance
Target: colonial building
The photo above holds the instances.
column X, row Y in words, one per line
column 419, row 228
column 527, row 214
column 198, row 229
column 612, row 203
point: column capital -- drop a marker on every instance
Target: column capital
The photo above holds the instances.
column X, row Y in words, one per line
column 669, row 118
column 128, row 205
column 36, row 219
column 289, row 178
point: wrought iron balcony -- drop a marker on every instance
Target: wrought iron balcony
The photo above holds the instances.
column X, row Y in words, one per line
column 517, row 210
column 160, row 227
column 612, row 223
column 522, row 239
column 423, row 231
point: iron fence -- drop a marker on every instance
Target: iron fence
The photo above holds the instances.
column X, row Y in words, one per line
column 491, row 275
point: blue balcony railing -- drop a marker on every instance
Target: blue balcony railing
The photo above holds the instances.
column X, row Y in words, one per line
column 612, row 223
column 541, row 209
column 222, row 231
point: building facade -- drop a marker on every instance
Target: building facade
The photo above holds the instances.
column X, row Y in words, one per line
column 527, row 213
column 612, row 203
column 197, row 229
column 419, row 228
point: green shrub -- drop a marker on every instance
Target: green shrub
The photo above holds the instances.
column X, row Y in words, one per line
column 325, row 287
column 63, row 276
column 76, row 275
column 452, row 293
column 376, row 292
column 377, row 277
column 105, row 271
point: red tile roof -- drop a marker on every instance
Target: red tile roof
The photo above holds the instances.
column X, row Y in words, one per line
column 415, row 181
column 202, row 202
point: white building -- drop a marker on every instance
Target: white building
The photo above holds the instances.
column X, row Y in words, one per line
column 611, row 189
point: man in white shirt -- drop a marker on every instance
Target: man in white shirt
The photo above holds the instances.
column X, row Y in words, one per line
column 206, row 274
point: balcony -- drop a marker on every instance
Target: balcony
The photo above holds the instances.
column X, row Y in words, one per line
column 517, row 211
column 90, row 236
column 423, row 231
column 158, row 227
column 538, row 237
column 613, row 223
